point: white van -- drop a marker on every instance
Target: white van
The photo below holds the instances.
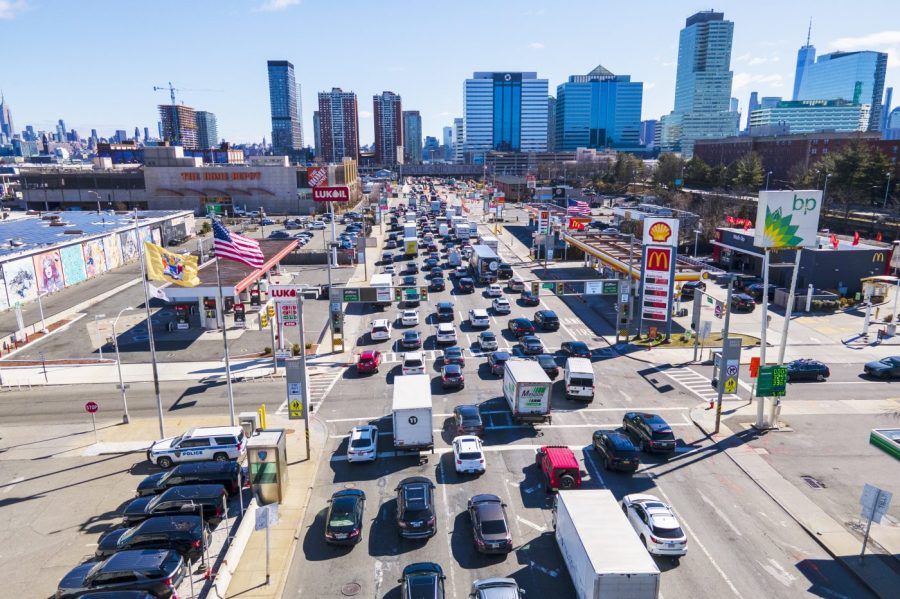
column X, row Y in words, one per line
column 579, row 379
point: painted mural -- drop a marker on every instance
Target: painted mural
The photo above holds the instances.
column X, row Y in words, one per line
column 4, row 300
column 94, row 260
column 113, row 252
column 72, row 259
column 21, row 285
column 156, row 235
column 49, row 272
column 129, row 247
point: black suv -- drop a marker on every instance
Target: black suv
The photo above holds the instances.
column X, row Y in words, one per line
column 520, row 327
column 690, row 287
column 504, row 271
column 497, row 361
column 649, row 431
column 184, row 534
column 444, row 311
column 416, row 518
column 157, row 571
column 227, row 474
column 422, row 580
column 186, row 500
column 547, row 320
column 466, row 285
column 616, row 450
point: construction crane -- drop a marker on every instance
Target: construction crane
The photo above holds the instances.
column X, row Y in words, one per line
column 172, row 89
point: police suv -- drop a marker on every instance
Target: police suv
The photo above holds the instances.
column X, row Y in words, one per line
column 199, row 444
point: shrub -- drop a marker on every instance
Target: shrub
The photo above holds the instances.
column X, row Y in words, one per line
column 295, row 349
column 205, row 228
column 267, row 351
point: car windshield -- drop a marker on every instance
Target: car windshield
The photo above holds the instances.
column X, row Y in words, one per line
column 546, row 362
column 581, row 382
column 493, row 527
column 668, row 533
column 341, row 519
column 663, row 436
column 488, row 336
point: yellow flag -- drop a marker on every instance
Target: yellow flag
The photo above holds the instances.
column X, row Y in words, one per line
column 163, row 265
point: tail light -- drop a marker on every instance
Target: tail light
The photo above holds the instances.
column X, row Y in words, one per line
column 329, row 535
column 195, row 544
column 481, row 461
column 240, row 445
column 354, row 533
column 459, row 461
column 654, row 539
column 430, row 521
column 168, row 581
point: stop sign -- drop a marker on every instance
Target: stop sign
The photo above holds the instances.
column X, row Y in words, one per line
column 91, row 407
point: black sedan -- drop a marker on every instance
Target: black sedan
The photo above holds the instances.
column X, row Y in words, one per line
column 807, row 370
column 421, row 580
column 548, row 363
column 883, row 369
column 411, row 340
column 520, row 327
column 490, row 526
column 157, row 571
column 529, row 299
column 466, row 285
column 343, row 524
column 576, row 349
column 437, row 284
column 531, row 345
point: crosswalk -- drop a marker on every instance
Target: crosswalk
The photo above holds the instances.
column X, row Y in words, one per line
column 432, row 355
column 576, row 328
column 697, row 384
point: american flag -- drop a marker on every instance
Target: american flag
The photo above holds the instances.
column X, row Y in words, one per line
column 578, row 208
column 232, row 246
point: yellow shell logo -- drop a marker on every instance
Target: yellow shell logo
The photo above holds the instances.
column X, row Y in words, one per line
column 660, row 232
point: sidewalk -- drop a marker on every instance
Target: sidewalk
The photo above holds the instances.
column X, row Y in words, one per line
column 872, row 571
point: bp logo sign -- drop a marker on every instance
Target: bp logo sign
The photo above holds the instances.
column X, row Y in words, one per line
column 787, row 219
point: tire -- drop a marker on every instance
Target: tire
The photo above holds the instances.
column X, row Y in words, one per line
column 221, row 457
column 164, row 463
column 644, row 541
column 566, row 482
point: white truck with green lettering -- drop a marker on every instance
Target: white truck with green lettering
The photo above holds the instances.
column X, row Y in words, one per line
column 526, row 388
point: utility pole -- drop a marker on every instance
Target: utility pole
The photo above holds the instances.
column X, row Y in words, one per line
column 761, row 404
column 720, row 374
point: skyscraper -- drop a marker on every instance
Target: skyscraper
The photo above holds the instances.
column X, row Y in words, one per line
column 702, row 84
column 447, row 136
column 551, row 124
column 432, row 149
column 388, row 116
column 207, row 130
column 458, row 140
column 886, row 108
column 287, row 132
column 598, row 110
column 854, row 76
column 61, row 131
column 179, row 125
column 806, row 55
column 412, row 137
column 137, row 134
column 7, row 128
column 504, row 111
column 146, row 134
column 338, row 125
column 648, row 132
column 317, row 139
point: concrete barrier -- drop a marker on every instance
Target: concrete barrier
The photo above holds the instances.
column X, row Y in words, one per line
column 232, row 557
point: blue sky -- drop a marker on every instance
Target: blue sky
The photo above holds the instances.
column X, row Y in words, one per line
column 94, row 62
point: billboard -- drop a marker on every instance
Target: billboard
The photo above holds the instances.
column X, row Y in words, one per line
column 658, row 275
column 787, row 219
column 317, row 175
column 335, row 193
column 661, row 231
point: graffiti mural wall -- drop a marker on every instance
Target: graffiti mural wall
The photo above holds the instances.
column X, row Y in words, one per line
column 72, row 258
column 94, row 259
column 48, row 271
column 21, row 285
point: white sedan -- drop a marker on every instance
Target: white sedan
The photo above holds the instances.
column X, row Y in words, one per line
column 409, row 318
column 479, row 318
column 468, row 455
column 363, row 444
column 445, row 333
column 501, row 305
column 655, row 524
column 494, row 290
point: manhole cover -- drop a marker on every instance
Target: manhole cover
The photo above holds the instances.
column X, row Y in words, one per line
column 813, row 482
column 350, row 589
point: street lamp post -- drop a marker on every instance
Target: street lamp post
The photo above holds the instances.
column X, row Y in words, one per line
column 696, row 239
column 125, row 418
column 41, row 310
column 767, row 179
column 97, row 317
column 886, row 189
column 825, row 187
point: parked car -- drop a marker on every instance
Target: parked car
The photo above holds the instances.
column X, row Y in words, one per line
column 422, row 580
column 741, row 302
column 690, row 287
column 496, row 362
column 885, row 368
column 490, row 525
column 468, row 455
column 531, row 345
column 454, row 355
column 157, row 571
column 546, row 320
column 655, row 524
column 756, row 291
column 452, row 377
column 220, row 443
column 478, row 318
column 363, row 444
column 807, row 370
column 368, row 362
column 487, row 341
column 529, row 298
column 576, row 349
column 227, row 474
column 185, row 534
column 616, row 451
column 416, row 518
column 501, row 305
column 467, row 420
column 344, row 521
column 558, row 467
column 183, row 500
column 649, row 431
column 548, row 363
column 520, row 327
column 413, row 363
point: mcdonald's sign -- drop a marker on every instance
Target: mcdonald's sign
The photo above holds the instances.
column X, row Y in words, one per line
column 878, row 257
column 659, row 259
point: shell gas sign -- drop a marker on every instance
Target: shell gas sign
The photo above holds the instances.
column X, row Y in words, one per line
column 661, row 231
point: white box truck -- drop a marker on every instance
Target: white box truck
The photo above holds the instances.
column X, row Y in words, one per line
column 526, row 388
column 412, row 412
column 454, row 258
column 488, row 240
column 602, row 553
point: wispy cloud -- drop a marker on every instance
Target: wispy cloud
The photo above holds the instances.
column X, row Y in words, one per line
column 9, row 9
column 365, row 114
column 276, row 5
column 536, row 46
column 742, row 80
column 882, row 41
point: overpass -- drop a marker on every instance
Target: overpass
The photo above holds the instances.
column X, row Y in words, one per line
column 468, row 171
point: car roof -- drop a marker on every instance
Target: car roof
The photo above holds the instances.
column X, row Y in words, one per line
column 467, row 409
column 485, row 498
column 213, row 431
column 140, row 559
column 192, row 492
column 205, row 467
column 444, row 305
column 619, row 440
column 654, row 420
column 413, row 355
column 412, row 333
column 348, row 494
column 423, row 568
column 547, row 312
column 500, row 355
column 576, row 343
column 488, row 334
column 369, row 354
column 169, row 523
column 444, row 325
column 453, row 349
column 561, row 457
column 357, row 431
column 479, row 312
column 380, row 322
column 521, row 320
column 467, row 442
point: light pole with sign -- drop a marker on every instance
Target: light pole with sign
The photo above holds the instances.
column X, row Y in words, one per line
column 122, row 387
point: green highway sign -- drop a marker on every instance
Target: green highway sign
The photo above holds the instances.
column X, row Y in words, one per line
column 351, row 294
column 610, row 288
column 772, row 381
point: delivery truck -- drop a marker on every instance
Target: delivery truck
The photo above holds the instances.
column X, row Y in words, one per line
column 526, row 388
column 602, row 553
column 410, row 245
column 411, row 412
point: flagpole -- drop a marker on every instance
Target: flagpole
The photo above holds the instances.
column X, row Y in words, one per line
column 225, row 342
column 140, row 244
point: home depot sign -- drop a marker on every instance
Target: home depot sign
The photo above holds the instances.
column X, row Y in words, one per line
column 317, row 175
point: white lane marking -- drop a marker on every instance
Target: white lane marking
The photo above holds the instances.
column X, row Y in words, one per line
column 778, row 572
column 448, row 520
column 626, row 396
column 12, row 484
column 568, row 332
column 696, row 540
column 721, row 514
column 537, row 527
column 629, row 409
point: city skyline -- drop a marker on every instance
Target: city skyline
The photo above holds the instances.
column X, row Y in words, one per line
column 763, row 59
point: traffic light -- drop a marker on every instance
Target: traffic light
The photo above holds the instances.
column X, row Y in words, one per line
column 560, row 288
column 423, row 294
column 336, row 321
column 271, row 310
column 398, row 294
column 263, row 320
column 535, row 287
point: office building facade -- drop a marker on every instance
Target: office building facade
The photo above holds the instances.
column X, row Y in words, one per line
column 388, row 114
column 338, row 125
column 207, row 130
column 7, row 128
column 412, row 137
column 178, row 126
column 458, row 140
column 857, row 77
column 809, row 116
column 702, row 84
column 648, row 133
column 598, row 110
column 317, row 139
column 504, row 111
column 551, row 124
column 287, row 130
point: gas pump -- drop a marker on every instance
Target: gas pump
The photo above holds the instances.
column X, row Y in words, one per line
column 182, row 316
column 240, row 316
column 254, row 295
column 209, row 307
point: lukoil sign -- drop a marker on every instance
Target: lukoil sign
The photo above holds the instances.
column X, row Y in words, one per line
column 787, row 219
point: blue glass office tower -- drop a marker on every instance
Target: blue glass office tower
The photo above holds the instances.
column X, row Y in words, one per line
column 702, row 85
column 857, row 77
column 598, row 110
column 287, row 132
column 505, row 111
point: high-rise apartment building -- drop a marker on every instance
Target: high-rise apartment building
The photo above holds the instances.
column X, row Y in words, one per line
column 702, row 84
column 338, row 125
column 287, row 129
column 412, row 137
column 146, row 134
column 806, row 56
column 317, row 138
column 857, row 77
column 207, row 130
column 458, row 155
column 178, row 125
column 505, row 111
column 388, row 116
column 598, row 110
column 551, row 124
